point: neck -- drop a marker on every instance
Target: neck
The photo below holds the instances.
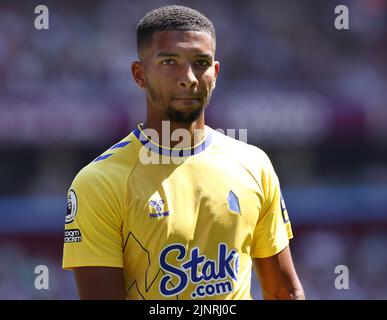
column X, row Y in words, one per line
column 172, row 133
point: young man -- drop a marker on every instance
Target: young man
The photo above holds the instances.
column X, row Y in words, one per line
column 146, row 227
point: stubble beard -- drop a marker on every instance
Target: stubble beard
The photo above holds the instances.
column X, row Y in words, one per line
column 183, row 117
column 178, row 116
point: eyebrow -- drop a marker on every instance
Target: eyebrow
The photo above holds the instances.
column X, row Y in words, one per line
column 163, row 54
column 166, row 55
column 204, row 55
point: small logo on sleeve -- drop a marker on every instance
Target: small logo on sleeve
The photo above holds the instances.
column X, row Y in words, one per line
column 72, row 206
column 72, row 235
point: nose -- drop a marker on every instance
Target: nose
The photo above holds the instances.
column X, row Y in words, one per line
column 188, row 78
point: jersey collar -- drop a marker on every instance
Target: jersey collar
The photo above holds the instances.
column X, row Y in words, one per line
column 173, row 152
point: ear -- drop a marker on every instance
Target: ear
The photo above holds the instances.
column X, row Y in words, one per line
column 216, row 66
column 138, row 74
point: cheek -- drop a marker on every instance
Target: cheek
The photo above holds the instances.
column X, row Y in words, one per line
column 158, row 90
column 208, row 80
column 154, row 84
column 209, row 75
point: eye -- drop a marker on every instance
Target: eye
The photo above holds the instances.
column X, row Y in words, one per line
column 168, row 61
column 203, row 63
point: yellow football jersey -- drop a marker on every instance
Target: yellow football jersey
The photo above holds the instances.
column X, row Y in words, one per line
column 182, row 229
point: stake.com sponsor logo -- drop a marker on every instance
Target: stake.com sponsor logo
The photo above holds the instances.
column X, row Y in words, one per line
column 225, row 267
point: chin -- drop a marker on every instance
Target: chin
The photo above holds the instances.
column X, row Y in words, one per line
column 187, row 115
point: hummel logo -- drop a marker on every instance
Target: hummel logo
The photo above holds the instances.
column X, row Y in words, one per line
column 158, row 207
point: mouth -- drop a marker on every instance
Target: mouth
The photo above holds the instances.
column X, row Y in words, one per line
column 186, row 98
column 187, row 101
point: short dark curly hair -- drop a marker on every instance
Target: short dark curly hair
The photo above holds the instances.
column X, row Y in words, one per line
column 172, row 18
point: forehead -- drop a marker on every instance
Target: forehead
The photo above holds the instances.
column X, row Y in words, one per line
column 170, row 41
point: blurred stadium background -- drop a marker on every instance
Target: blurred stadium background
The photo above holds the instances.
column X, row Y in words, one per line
column 314, row 98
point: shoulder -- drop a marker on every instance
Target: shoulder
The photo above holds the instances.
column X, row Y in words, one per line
column 245, row 153
column 111, row 167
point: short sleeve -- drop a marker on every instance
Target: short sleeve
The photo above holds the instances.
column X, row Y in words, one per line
column 273, row 229
column 93, row 223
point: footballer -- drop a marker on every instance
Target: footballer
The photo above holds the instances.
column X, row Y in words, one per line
column 188, row 229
